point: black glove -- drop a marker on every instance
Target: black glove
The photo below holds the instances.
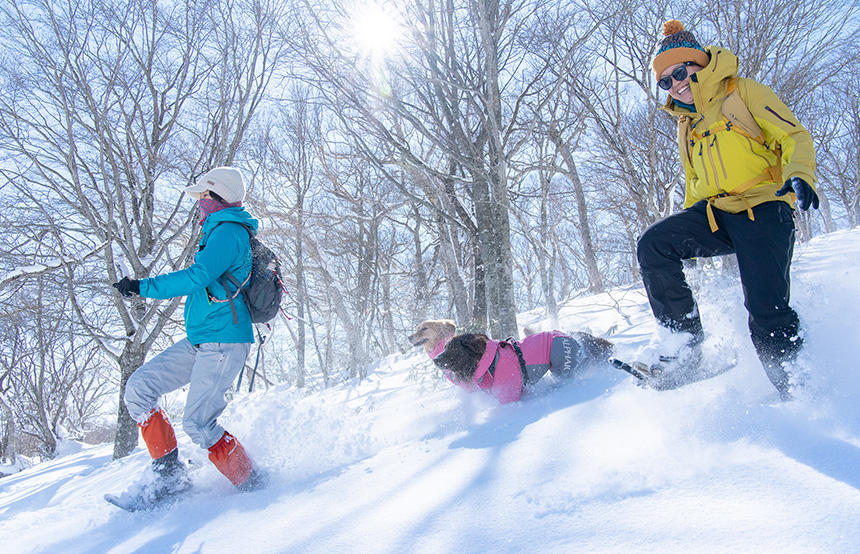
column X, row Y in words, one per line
column 127, row 287
column 806, row 195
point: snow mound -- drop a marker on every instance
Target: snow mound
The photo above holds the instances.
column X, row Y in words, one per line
column 405, row 462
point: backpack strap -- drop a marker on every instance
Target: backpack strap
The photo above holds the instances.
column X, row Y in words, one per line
column 736, row 112
column 684, row 132
column 224, row 279
column 739, row 119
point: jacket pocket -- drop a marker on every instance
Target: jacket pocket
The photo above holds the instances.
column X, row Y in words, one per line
column 784, row 120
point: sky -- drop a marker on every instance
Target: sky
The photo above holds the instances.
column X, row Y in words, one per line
column 403, row 461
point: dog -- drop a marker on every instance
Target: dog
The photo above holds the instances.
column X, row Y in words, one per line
column 433, row 334
column 505, row 368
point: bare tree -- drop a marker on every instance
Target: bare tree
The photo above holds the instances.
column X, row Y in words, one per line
column 456, row 102
column 787, row 46
column 48, row 388
column 113, row 109
column 287, row 176
column 837, row 147
column 9, row 359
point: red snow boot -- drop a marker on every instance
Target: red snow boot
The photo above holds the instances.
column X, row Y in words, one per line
column 158, row 434
column 230, row 458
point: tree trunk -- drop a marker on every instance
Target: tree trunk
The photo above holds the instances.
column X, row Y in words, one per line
column 419, row 272
column 9, row 439
column 132, row 357
column 495, row 252
column 301, row 296
column 453, row 278
column 546, row 261
column 491, row 191
column 594, row 278
column 478, row 321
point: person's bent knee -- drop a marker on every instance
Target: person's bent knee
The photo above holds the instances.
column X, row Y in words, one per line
column 138, row 403
column 648, row 246
column 202, row 433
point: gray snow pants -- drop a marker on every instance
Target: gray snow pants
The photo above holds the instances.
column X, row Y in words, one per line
column 210, row 368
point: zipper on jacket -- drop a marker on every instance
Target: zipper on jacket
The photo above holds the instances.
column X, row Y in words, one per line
column 720, row 157
column 768, row 108
column 704, row 167
column 713, row 165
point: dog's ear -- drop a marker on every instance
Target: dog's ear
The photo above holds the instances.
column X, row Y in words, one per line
column 475, row 344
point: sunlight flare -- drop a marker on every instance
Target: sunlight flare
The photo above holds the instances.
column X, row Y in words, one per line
column 377, row 30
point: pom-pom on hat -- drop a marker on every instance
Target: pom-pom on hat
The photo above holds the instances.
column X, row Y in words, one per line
column 226, row 182
column 679, row 46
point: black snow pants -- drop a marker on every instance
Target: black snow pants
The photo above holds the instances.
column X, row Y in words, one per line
column 763, row 247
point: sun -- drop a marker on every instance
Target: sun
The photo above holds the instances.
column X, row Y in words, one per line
column 377, row 30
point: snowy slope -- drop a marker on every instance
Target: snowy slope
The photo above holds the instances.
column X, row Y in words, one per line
column 404, row 462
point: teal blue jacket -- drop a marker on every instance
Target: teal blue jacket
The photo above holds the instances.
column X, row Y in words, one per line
column 222, row 248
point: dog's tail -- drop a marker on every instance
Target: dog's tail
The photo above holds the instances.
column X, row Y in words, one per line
column 596, row 348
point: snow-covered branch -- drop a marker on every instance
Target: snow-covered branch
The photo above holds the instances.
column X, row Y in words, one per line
column 27, row 272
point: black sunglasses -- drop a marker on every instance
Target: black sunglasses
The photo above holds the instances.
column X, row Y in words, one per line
column 679, row 75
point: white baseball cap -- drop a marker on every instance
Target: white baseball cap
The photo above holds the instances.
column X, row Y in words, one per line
column 226, row 182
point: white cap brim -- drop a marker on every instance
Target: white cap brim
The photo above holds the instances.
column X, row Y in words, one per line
column 195, row 190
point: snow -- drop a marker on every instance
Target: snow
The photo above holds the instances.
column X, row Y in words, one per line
column 405, row 462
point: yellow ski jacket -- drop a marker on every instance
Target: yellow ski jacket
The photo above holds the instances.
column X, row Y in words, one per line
column 722, row 158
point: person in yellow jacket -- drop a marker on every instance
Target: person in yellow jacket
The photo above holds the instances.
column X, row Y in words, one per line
column 747, row 162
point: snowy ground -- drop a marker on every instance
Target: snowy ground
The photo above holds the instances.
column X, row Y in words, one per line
column 404, row 462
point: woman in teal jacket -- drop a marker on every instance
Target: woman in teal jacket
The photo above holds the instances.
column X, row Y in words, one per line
column 214, row 351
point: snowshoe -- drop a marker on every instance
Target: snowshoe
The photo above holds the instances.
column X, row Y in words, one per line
column 673, row 375
column 160, row 487
column 256, row 481
column 146, row 502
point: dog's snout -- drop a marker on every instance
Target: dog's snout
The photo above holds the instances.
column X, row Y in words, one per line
column 417, row 337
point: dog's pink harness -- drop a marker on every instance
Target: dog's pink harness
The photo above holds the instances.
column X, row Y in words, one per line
column 499, row 371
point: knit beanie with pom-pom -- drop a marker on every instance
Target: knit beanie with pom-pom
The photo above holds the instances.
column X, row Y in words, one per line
column 679, row 46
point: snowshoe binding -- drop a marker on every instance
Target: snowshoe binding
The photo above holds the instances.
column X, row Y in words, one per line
column 165, row 484
column 256, row 481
